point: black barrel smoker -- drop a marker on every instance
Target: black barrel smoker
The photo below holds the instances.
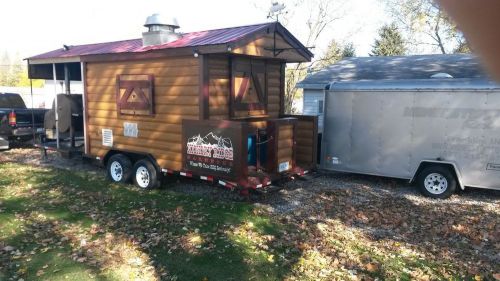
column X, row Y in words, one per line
column 69, row 130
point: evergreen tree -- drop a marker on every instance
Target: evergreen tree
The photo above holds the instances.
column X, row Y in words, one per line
column 389, row 43
column 335, row 52
column 349, row 51
column 331, row 56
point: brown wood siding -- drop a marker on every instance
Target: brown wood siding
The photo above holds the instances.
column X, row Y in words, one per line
column 306, row 141
column 176, row 97
column 218, row 73
column 273, row 89
column 285, row 144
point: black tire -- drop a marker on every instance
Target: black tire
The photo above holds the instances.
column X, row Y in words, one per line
column 437, row 182
column 119, row 168
column 145, row 175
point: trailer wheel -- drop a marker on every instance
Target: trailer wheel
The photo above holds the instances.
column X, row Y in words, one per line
column 145, row 175
column 437, row 182
column 119, row 168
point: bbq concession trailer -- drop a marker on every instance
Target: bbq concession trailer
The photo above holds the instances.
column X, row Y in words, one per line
column 203, row 104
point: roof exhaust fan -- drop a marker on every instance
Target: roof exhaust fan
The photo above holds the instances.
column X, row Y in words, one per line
column 160, row 30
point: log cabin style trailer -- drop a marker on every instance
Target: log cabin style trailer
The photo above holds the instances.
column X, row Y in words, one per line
column 205, row 104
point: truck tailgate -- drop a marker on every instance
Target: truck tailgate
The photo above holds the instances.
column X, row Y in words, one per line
column 24, row 117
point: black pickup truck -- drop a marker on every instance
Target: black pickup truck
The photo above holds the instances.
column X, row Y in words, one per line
column 18, row 124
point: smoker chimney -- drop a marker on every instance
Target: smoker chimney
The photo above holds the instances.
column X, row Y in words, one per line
column 160, row 30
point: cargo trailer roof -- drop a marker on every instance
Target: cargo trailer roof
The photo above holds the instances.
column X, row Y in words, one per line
column 395, row 68
column 448, row 84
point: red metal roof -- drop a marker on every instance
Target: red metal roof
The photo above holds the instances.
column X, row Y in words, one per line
column 192, row 39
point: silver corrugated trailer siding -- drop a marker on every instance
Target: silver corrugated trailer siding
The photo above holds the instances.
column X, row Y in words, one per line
column 388, row 128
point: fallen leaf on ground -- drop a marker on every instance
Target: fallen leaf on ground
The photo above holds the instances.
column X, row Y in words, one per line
column 372, row 267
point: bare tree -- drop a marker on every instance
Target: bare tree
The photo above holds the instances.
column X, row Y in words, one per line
column 321, row 15
column 426, row 24
column 317, row 16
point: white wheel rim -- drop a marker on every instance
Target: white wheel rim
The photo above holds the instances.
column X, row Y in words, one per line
column 142, row 177
column 436, row 183
column 116, row 171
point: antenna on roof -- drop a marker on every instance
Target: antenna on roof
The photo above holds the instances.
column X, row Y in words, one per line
column 276, row 10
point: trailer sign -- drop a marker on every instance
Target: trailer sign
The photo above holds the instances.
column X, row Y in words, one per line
column 210, row 145
column 211, row 150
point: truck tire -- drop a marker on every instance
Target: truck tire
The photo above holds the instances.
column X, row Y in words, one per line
column 145, row 175
column 437, row 182
column 119, row 168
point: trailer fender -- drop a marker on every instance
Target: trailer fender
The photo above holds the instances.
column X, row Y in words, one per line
column 452, row 165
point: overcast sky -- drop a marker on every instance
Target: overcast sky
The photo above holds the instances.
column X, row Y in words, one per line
column 32, row 27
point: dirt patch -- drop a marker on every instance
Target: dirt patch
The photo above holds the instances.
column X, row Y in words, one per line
column 368, row 188
column 386, row 225
column 32, row 156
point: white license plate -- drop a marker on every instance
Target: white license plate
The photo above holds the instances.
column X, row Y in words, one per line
column 284, row 166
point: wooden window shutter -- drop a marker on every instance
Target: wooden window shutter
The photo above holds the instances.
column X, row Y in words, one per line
column 135, row 94
column 249, row 84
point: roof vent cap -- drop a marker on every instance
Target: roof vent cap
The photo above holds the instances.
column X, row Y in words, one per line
column 161, row 30
column 441, row 75
column 157, row 22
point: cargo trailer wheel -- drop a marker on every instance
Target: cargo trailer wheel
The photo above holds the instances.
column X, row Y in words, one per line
column 119, row 168
column 145, row 175
column 437, row 182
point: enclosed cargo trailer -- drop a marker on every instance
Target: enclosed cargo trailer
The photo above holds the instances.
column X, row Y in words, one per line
column 440, row 133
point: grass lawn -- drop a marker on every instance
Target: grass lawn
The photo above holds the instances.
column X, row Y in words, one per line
column 62, row 225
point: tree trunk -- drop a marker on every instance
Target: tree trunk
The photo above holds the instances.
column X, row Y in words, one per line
column 438, row 37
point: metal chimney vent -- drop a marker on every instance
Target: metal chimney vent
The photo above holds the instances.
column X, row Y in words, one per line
column 160, row 30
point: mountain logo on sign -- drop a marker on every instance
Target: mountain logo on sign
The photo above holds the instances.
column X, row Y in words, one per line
column 211, row 146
